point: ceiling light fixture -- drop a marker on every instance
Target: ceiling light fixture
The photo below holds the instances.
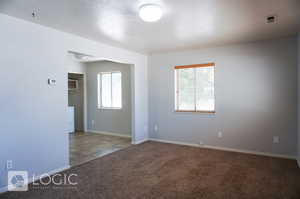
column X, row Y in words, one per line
column 150, row 12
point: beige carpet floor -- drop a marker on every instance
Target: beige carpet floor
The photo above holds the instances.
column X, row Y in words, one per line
column 166, row 171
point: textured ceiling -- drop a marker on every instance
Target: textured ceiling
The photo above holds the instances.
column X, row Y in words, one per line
column 185, row 24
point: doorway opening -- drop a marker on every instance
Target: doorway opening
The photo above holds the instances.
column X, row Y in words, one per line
column 76, row 102
column 102, row 108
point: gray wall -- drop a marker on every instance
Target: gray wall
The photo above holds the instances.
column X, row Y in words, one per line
column 109, row 120
column 256, row 97
column 76, row 99
column 299, row 99
column 33, row 115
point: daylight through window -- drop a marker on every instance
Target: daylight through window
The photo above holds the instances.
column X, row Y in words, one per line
column 110, row 90
column 194, row 88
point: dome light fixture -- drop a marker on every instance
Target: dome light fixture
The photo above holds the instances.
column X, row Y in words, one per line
column 150, row 12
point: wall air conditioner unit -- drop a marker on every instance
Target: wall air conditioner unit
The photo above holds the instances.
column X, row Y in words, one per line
column 72, row 85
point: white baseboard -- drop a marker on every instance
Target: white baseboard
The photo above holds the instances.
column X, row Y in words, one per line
column 140, row 142
column 108, row 133
column 3, row 189
column 226, row 149
column 30, row 180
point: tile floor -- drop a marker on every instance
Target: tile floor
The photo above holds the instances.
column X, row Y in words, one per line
column 88, row 146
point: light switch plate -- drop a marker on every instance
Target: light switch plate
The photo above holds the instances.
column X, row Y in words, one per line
column 220, row 134
column 275, row 139
column 155, row 128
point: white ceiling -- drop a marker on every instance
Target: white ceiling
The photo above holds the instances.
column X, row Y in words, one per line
column 185, row 24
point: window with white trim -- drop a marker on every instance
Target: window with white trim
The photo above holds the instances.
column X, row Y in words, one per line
column 110, row 90
column 194, row 88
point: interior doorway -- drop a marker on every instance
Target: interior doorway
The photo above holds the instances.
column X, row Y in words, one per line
column 100, row 103
column 76, row 102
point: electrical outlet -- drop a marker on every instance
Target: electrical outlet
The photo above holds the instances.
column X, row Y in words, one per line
column 93, row 122
column 201, row 143
column 9, row 164
column 220, row 134
column 275, row 139
column 155, row 128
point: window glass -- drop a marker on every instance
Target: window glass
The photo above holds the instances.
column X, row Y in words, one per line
column 116, row 90
column 194, row 88
column 110, row 90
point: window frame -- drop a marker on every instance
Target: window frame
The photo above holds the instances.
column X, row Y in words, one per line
column 176, row 75
column 99, row 93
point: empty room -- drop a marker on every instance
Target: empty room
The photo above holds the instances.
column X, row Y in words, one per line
column 150, row 99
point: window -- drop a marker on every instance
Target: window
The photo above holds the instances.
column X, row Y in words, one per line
column 194, row 88
column 110, row 90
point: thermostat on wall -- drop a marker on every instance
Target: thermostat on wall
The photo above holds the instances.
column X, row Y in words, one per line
column 51, row 82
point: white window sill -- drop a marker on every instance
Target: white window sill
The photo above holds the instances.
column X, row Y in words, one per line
column 201, row 112
column 109, row 108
